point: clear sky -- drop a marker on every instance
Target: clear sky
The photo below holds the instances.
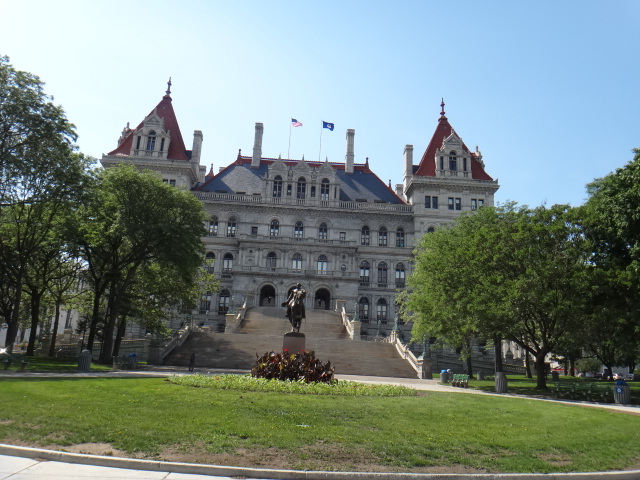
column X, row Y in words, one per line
column 547, row 89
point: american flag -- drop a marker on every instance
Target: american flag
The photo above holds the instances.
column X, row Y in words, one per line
column 295, row 123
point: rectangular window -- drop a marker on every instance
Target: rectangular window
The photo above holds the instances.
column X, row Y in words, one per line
column 441, row 163
column 474, row 204
column 254, row 231
column 434, row 202
column 464, row 164
column 451, row 205
column 427, row 202
column 343, row 236
column 458, row 204
column 453, row 165
column 172, row 183
column 480, row 202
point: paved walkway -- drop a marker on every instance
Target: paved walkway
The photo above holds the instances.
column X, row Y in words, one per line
column 21, row 463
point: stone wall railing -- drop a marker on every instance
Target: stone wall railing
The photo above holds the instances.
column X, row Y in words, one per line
column 352, row 326
column 234, row 319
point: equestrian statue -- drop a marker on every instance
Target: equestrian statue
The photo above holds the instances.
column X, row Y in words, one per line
column 295, row 307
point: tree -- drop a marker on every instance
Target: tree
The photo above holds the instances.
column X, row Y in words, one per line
column 131, row 222
column 40, row 172
column 506, row 272
column 611, row 222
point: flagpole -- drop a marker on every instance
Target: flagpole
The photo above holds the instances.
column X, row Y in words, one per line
column 289, row 147
column 321, row 128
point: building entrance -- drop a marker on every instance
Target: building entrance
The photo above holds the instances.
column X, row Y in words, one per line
column 322, row 299
column 267, row 296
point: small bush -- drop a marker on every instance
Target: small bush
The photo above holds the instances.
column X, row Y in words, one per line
column 293, row 367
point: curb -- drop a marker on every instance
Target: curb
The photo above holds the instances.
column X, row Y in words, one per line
column 238, row 472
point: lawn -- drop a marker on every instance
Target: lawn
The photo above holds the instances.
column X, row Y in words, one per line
column 429, row 432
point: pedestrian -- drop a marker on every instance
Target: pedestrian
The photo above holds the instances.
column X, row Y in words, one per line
column 192, row 362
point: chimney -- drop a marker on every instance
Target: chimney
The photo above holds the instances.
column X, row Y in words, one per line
column 408, row 162
column 348, row 167
column 197, row 146
column 257, row 146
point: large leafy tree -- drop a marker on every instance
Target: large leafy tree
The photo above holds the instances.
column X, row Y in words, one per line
column 133, row 223
column 40, row 173
column 611, row 219
column 514, row 273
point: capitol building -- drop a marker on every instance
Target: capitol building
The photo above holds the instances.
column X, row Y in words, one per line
column 336, row 228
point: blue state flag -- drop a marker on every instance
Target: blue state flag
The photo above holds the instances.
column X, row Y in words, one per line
column 327, row 125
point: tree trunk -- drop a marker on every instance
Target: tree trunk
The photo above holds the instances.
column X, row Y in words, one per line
column 122, row 327
column 527, row 363
column 35, row 318
column 541, row 377
column 497, row 348
column 56, row 320
column 106, row 352
column 12, row 326
column 95, row 316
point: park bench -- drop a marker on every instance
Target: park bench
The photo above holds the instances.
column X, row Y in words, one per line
column 8, row 360
column 125, row 362
column 460, row 380
column 583, row 391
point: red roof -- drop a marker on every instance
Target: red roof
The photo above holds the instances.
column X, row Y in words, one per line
column 164, row 109
column 427, row 167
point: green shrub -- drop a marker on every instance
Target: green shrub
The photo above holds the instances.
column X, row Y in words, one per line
column 293, row 366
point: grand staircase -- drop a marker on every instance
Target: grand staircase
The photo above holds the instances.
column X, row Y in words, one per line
column 263, row 330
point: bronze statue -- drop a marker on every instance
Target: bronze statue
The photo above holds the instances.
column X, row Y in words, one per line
column 295, row 307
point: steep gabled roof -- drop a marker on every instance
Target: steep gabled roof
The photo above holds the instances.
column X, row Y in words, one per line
column 427, row 166
column 164, row 110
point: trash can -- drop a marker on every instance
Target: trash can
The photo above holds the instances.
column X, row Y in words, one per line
column 622, row 394
column 84, row 361
column 501, row 382
column 444, row 376
column 555, row 376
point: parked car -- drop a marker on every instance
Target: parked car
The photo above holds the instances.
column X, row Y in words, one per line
column 618, row 376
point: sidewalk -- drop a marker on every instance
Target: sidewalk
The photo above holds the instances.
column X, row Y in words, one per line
column 22, row 463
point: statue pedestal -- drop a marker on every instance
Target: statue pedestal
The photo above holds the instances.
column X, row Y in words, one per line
column 294, row 342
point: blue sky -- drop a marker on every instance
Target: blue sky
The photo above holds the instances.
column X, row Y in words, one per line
column 548, row 90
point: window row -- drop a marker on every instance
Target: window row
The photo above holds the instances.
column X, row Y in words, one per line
column 455, row 162
column 453, row 203
column 224, row 301
column 301, row 188
column 299, row 232
column 381, row 311
column 382, row 278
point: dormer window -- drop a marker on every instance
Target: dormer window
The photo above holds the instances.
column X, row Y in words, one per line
column 453, row 161
column 151, row 141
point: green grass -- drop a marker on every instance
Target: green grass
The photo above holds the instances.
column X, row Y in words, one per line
column 149, row 417
column 49, row 364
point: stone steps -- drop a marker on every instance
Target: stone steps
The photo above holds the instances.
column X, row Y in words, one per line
column 263, row 332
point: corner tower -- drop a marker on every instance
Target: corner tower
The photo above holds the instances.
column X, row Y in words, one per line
column 448, row 180
column 156, row 144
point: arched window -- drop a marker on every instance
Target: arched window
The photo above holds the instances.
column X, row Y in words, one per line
column 382, row 237
column 400, row 275
column 298, row 231
column 400, row 237
column 209, row 259
column 322, row 265
column 363, row 310
column 302, row 188
column 431, row 230
column 231, row 227
column 227, row 263
column 453, row 161
column 323, row 232
column 365, row 236
column 224, row 302
column 296, row 262
column 381, row 311
column 271, row 260
column 277, row 186
column 151, row 140
column 213, row 226
column 382, row 274
column 324, row 189
column 274, row 230
column 364, row 274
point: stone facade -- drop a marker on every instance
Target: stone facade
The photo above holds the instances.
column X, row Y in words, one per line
column 336, row 228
